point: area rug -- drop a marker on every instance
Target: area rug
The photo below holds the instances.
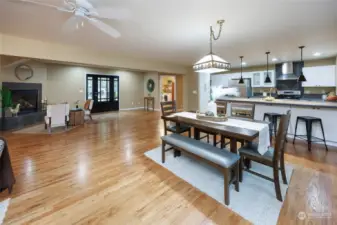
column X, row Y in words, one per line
column 40, row 129
column 3, row 209
column 256, row 201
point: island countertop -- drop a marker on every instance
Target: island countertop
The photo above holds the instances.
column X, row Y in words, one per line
column 288, row 102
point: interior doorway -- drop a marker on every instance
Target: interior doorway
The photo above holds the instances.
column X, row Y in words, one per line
column 168, row 91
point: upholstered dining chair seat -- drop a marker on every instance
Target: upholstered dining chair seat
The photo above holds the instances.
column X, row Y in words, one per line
column 221, row 157
column 251, row 150
column 182, row 128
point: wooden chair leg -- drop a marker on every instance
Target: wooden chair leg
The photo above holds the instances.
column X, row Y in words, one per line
column 283, row 171
column 277, row 184
column 207, row 138
column 241, row 169
column 226, row 186
column 237, row 172
column 189, row 133
column 163, row 152
column 214, row 140
column 222, row 144
column 10, row 188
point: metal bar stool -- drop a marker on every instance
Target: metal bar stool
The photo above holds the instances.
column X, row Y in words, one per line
column 309, row 120
column 273, row 117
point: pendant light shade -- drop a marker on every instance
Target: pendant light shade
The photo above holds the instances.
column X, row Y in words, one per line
column 241, row 81
column 302, row 77
column 212, row 63
column 267, row 80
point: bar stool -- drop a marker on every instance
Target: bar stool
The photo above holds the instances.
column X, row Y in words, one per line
column 273, row 117
column 309, row 120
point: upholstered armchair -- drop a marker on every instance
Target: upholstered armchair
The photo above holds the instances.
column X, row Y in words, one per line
column 88, row 107
column 57, row 116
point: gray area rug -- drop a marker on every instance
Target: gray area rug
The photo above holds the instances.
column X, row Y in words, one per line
column 256, row 201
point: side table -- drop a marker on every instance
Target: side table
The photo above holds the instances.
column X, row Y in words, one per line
column 147, row 101
column 76, row 117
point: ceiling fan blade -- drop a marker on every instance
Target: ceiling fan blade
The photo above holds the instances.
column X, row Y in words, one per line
column 66, row 8
column 72, row 24
column 104, row 27
column 111, row 13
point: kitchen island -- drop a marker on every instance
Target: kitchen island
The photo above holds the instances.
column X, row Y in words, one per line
column 327, row 111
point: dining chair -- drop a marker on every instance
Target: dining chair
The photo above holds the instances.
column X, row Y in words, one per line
column 88, row 107
column 168, row 108
column 274, row 157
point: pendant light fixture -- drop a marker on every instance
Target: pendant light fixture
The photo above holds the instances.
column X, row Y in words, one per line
column 302, row 77
column 241, row 79
column 267, row 80
column 212, row 63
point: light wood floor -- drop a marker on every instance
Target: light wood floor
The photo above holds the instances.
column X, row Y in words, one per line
column 97, row 174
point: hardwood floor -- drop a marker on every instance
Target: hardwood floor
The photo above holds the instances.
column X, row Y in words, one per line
column 97, row 174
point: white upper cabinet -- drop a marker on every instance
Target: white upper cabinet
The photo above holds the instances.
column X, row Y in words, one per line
column 320, row 76
column 220, row 80
column 259, row 77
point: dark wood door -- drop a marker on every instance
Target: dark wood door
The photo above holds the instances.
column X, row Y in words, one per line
column 104, row 90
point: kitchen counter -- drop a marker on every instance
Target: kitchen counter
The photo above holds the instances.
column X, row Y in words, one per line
column 286, row 102
column 316, row 108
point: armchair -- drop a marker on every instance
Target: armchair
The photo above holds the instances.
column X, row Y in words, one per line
column 57, row 116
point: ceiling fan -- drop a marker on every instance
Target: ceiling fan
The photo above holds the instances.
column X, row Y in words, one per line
column 83, row 10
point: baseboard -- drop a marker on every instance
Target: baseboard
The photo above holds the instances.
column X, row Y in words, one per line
column 136, row 108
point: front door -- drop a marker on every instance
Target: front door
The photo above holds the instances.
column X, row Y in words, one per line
column 104, row 90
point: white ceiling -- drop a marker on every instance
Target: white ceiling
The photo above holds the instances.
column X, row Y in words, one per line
column 177, row 31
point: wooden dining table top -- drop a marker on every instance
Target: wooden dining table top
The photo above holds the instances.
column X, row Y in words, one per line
column 229, row 131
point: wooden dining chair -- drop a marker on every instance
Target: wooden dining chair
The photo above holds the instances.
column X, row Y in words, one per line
column 274, row 157
column 168, row 108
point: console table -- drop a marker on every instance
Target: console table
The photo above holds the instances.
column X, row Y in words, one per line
column 147, row 101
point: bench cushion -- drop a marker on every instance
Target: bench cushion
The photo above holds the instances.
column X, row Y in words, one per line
column 221, row 157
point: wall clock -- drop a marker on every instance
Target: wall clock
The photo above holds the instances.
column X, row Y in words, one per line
column 150, row 85
column 23, row 72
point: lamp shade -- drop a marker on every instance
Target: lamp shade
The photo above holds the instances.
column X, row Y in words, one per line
column 302, row 78
column 211, row 64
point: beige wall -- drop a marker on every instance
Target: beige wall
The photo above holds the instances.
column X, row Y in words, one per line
column 39, row 69
column 66, row 82
column 16, row 46
column 156, row 93
column 192, row 85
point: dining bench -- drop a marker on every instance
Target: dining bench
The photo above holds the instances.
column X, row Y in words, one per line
column 222, row 159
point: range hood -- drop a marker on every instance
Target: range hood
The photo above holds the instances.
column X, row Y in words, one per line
column 287, row 72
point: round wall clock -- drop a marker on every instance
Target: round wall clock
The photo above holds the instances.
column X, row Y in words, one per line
column 23, row 72
column 150, row 85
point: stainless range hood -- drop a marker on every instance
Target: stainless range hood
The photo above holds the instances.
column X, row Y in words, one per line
column 287, row 72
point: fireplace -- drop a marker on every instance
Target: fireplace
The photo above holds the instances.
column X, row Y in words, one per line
column 28, row 100
column 28, row 95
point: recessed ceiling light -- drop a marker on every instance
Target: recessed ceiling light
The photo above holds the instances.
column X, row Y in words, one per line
column 317, row 54
column 244, row 63
column 274, row 59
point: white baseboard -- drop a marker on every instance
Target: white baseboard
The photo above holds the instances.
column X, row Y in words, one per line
column 136, row 108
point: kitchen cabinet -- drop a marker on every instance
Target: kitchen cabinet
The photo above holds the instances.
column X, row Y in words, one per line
column 256, row 79
column 259, row 77
column 320, row 76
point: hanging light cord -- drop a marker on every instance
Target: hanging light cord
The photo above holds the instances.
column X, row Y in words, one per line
column 241, row 65
column 213, row 37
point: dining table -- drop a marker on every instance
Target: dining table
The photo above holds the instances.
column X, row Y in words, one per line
column 231, row 131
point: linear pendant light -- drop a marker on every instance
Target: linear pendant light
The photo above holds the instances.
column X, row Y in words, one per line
column 241, row 79
column 302, row 77
column 267, row 80
column 212, row 63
